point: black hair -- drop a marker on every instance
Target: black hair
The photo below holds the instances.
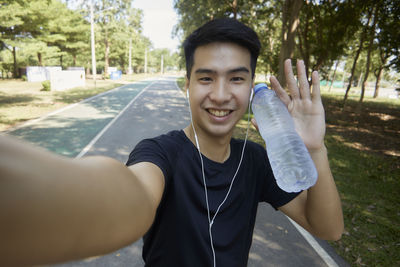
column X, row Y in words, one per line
column 222, row 30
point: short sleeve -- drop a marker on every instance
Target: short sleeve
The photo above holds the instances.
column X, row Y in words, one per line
column 149, row 150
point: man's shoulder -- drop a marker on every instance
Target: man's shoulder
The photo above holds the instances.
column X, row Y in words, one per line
column 170, row 138
column 163, row 147
column 168, row 142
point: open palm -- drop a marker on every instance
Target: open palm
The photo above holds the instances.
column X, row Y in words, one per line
column 305, row 107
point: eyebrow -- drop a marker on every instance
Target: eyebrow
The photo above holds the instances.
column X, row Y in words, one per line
column 239, row 69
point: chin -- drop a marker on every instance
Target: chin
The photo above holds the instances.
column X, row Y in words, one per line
column 221, row 131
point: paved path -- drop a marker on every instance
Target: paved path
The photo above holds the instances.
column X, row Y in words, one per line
column 111, row 124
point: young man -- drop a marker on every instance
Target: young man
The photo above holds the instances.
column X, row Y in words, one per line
column 192, row 193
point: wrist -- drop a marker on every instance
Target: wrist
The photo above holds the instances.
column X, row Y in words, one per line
column 322, row 150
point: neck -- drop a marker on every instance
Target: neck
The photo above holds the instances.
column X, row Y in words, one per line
column 215, row 148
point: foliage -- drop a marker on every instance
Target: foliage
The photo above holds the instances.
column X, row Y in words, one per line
column 46, row 85
column 49, row 32
column 328, row 31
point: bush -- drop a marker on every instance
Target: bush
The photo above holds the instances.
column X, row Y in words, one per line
column 46, row 86
column 24, row 78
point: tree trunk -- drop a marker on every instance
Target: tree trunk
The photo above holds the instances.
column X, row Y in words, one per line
column 304, row 46
column 234, row 8
column 15, row 70
column 106, row 54
column 377, row 83
column 353, row 68
column 378, row 75
column 290, row 22
column 370, row 46
column 61, row 61
column 39, row 55
column 74, row 60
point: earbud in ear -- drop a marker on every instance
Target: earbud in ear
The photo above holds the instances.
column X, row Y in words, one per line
column 251, row 95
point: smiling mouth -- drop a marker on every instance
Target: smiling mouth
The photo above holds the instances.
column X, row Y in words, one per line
column 219, row 113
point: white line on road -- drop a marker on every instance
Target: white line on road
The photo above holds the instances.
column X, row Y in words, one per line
column 314, row 244
column 94, row 140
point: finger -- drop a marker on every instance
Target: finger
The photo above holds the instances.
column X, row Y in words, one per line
column 280, row 92
column 290, row 80
column 254, row 122
column 303, row 81
column 316, row 92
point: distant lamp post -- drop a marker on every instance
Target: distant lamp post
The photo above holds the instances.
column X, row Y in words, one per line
column 92, row 43
column 130, row 56
column 94, row 71
column 145, row 61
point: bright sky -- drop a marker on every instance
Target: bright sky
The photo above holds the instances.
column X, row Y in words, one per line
column 158, row 22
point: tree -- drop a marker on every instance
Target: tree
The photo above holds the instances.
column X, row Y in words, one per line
column 11, row 13
column 375, row 14
column 388, row 39
column 363, row 35
column 290, row 22
column 319, row 42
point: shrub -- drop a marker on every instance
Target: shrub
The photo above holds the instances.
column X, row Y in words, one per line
column 46, row 86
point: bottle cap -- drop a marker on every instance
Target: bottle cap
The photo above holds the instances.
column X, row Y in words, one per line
column 260, row 86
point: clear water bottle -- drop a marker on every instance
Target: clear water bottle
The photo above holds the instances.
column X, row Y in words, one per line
column 290, row 161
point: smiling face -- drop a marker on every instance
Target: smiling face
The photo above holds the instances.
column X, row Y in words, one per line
column 220, row 85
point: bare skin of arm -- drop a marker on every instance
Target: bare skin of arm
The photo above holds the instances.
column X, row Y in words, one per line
column 317, row 209
column 55, row 209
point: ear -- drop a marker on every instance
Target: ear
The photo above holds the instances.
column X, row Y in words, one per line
column 187, row 82
column 251, row 90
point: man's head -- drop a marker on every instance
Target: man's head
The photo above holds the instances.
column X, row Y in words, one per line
column 225, row 31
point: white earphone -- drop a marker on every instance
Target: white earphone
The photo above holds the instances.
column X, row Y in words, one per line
column 251, row 94
column 211, row 220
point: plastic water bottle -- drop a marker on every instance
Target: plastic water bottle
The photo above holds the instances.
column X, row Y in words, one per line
column 290, row 161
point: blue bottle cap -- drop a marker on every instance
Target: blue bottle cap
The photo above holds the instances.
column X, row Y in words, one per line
column 260, row 86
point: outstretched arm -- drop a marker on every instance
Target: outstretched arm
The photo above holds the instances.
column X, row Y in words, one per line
column 55, row 209
column 317, row 209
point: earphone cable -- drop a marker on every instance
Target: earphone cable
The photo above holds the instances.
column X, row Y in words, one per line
column 211, row 221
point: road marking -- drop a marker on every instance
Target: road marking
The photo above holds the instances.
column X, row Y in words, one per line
column 314, row 244
column 97, row 137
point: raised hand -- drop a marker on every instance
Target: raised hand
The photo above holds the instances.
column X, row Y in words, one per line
column 305, row 107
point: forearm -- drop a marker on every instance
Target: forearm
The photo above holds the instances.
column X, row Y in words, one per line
column 323, row 206
column 55, row 209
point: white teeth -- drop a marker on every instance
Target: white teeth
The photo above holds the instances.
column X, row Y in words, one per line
column 218, row 113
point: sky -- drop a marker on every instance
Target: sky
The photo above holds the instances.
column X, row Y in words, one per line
column 158, row 22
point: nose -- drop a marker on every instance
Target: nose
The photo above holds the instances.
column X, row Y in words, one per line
column 220, row 92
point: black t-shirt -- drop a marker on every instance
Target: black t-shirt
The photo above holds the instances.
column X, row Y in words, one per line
column 179, row 235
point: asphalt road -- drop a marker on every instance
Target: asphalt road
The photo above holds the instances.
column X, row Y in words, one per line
column 111, row 124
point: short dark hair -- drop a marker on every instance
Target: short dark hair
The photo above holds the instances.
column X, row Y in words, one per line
column 222, row 30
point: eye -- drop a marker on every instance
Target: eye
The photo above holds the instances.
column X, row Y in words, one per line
column 237, row 79
column 205, row 79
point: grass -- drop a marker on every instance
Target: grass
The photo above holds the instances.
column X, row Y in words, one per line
column 21, row 101
column 364, row 153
